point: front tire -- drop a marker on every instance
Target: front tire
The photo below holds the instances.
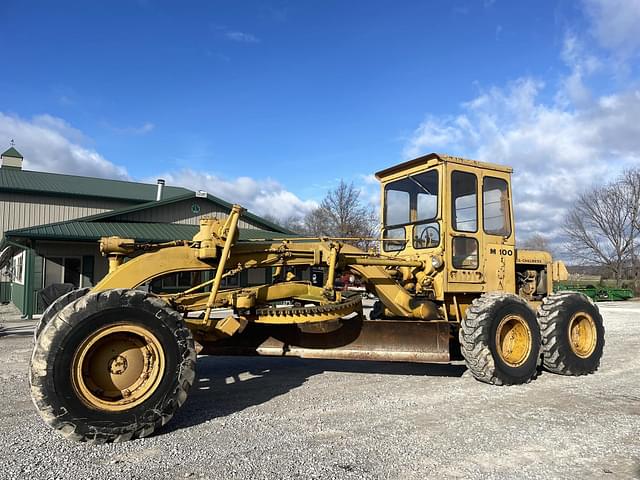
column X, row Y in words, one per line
column 53, row 309
column 572, row 334
column 112, row 366
column 500, row 339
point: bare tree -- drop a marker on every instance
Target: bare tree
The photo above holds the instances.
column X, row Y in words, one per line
column 600, row 228
column 631, row 184
column 342, row 214
column 537, row 242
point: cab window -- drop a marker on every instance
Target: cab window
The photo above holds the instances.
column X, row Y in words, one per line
column 426, row 235
column 464, row 193
column 495, row 207
column 394, row 239
column 465, row 253
column 412, row 200
column 398, row 207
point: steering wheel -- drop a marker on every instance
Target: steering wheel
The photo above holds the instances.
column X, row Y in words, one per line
column 428, row 237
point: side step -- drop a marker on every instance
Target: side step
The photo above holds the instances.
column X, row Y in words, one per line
column 356, row 339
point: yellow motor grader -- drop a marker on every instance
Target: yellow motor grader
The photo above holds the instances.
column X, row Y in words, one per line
column 114, row 362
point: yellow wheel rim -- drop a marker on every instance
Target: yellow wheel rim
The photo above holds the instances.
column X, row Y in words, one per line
column 513, row 340
column 583, row 335
column 117, row 367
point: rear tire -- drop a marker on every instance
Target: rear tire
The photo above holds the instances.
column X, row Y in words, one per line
column 572, row 334
column 112, row 366
column 56, row 306
column 500, row 339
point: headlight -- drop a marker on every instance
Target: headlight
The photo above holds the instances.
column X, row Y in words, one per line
column 436, row 262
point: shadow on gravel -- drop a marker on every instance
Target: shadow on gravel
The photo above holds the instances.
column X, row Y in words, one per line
column 225, row 385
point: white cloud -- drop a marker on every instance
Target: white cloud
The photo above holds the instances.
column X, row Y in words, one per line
column 369, row 179
column 556, row 149
column 616, row 24
column 242, row 37
column 50, row 144
column 581, row 65
column 260, row 196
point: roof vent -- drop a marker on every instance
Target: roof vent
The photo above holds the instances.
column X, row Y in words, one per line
column 12, row 158
column 160, row 189
column 201, row 194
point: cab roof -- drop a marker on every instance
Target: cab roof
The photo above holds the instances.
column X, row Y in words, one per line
column 441, row 157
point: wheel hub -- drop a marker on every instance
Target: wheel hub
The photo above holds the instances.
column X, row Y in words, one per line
column 582, row 334
column 513, row 340
column 118, row 367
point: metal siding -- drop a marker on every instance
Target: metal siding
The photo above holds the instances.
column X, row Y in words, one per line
column 180, row 213
column 17, row 296
column 5, row 292
column 20, row 210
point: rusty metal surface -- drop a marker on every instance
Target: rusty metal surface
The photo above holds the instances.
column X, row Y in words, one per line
column 356, row 339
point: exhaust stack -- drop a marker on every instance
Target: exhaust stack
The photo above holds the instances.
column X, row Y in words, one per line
column 160, row 189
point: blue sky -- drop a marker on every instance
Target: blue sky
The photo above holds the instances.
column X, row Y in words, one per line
column 273, row 102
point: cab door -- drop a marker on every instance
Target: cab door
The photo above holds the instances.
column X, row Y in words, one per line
column 465, row 237
column 499, row 240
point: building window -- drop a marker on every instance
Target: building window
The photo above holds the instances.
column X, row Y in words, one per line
column 231, row 281
column 64, row 270
column 256, row 276
column 180, row 280
column 17, row 268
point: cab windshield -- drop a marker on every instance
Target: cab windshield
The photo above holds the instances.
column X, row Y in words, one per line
column 412, row 200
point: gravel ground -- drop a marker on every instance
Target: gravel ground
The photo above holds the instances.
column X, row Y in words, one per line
column 289, row 418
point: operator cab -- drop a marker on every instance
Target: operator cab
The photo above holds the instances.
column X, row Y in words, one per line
column 451, row 207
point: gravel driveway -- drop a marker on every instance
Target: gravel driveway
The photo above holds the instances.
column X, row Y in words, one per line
column 287, row 418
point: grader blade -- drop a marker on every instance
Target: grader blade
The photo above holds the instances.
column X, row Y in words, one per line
column 384, row 340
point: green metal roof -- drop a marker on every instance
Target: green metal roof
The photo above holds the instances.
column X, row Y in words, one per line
column 142, row 232
column 16, row 180
column 12, row 152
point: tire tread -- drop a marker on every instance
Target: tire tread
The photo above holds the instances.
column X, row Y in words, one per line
column 41, row 368
column 473, row 336
column 549, row 315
